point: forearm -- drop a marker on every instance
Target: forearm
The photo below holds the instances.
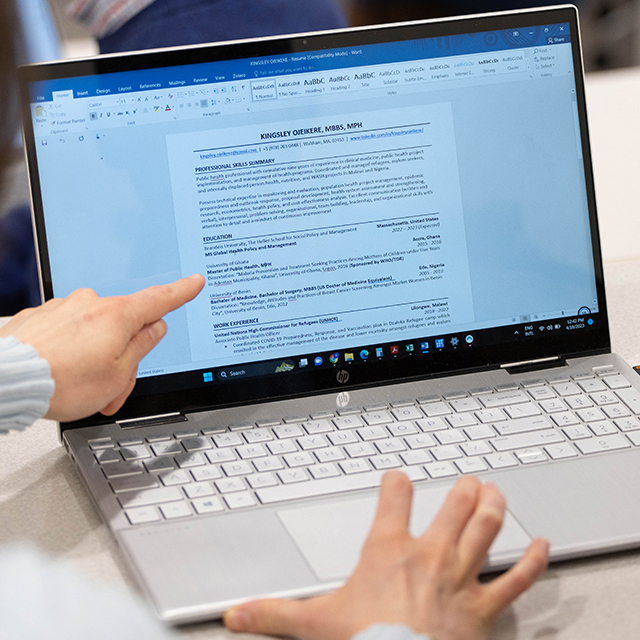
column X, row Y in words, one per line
column 25, row 385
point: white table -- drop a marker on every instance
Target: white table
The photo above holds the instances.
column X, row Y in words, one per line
column 42, row 500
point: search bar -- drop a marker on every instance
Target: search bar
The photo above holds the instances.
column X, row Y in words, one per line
column 253, row 370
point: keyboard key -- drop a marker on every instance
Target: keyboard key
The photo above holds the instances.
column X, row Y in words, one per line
column 471, row 465
column 258, row 480
column 576, row 432
column 524, row 410
column 348, row 422
column 634, row 436
column 229, row 485
column 491, row 415
column 566, row 389
column 373, row 433
column 268, row 422
column 354, row 466
column 142, row 515
column 319, row 471
column 436, row 409
column 107, row 456
column 342, row 437
column 171, row 478
column 359, row 450
column 159, row 464
column 522, row 425
column 280, row 447
column 129, row 442
column 160, row 437
column 479, row 432
column 440, row 470
column 187, row 460
column 604, row 428
column 542, row 393
column 138, row 452
column 237, row 468
column 150, row 496
column 553, row 405
column 504, row 398
column 389, row 461
column 133, row 483
column 431, row 424
column 332, row 454
column 196, row 444
column 419, row 456
column 100, row 443
column 250, row 451
column 317, row 426
column 170, row 448
column 298, row 459
column 561, row 451
column 240, row 500
column 220, row 455
column 270, row 463
column 616, row 382
column 227, row 440
column 565, row 418
column 175, row 510
column 206, row 473
column 592, row 385
column 448, row 452
column 523, row 440
column 531, row 456
column 290, row 476
column 327, row 486
column 252, row 436
column 501, row 460
column 199, row 490
column 377, row 417
column 631, row 397
column 459, row 420
column 606, row 397
column 310, row 443
column 420, row 441
column 627, row 424
column 579, row 402
column 288, row 431
column 479, row 448
column 450, row 436
column 119, row 469
column 616, row 411
column 402, row 429
column 590, row 415
column 391, row 445
column 605, row 443
column 465, row 404
column 207, row 505
column 407, row 413
column 186, row 433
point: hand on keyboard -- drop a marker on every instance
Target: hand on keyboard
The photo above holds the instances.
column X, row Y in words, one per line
column 429, row 584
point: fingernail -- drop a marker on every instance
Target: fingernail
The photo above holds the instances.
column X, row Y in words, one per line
column 237, row 619
column 195, row 276
column 158, row 330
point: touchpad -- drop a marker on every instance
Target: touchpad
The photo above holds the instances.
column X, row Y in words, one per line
column 331, row 535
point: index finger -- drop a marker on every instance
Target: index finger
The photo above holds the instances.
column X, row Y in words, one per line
column 394, row 506
column 151, row 304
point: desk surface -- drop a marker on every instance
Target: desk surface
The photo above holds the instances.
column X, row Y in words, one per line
column 43, row 502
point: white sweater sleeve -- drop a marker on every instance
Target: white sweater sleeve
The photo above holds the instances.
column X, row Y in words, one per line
column 389, row 632
column 26, row 385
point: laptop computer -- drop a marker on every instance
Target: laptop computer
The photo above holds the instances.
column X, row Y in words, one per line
column 398, row 230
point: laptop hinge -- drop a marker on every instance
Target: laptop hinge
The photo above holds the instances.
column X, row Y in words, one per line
column 149, row 421
column 532, row 365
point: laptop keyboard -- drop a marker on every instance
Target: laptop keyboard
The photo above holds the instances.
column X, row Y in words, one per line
column 185, row 473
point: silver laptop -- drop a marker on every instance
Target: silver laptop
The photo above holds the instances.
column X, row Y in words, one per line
column 398, row 231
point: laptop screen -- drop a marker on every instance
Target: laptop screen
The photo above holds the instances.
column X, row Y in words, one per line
column 366, row 206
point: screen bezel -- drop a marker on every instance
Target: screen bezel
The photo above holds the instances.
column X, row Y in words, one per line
column 155, row 399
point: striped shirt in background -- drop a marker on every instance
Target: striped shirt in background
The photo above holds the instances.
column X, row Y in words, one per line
column 104, row 17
